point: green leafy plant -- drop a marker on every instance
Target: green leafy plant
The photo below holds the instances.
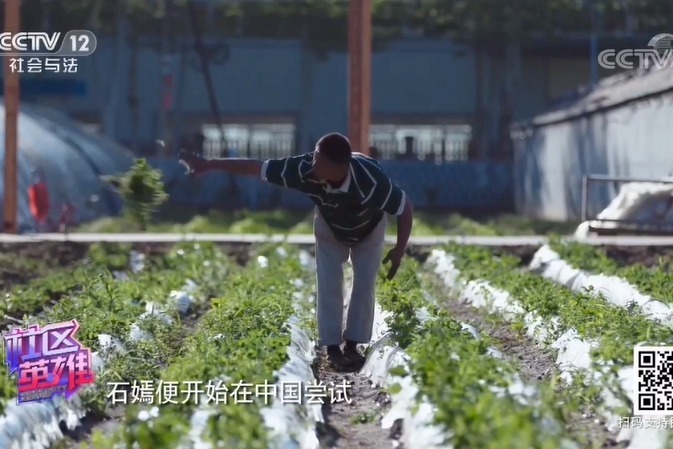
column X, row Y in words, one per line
column 142, row 190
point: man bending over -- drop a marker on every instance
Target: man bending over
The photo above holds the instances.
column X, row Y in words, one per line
column 352, row 194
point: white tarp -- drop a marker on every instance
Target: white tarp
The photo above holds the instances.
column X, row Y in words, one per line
column 640, row 201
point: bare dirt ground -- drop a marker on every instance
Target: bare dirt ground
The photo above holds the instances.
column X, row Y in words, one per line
column 648, row 255
column 54, row 254
column 21, row 262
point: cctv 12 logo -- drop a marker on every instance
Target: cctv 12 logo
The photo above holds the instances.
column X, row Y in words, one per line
column 74, row 43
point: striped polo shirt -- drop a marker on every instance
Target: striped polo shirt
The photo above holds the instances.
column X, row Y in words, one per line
column 353, row 210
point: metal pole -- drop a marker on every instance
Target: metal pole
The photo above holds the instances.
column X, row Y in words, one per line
column 585, row 197
column 360, row 67
column 167, row 78
column 12, row 23
column 594, row 46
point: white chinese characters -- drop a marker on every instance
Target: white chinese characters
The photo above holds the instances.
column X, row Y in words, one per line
column 43, row 65
column 216, row 391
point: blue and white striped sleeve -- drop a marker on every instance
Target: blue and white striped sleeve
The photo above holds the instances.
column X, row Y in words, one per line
column 284, row 172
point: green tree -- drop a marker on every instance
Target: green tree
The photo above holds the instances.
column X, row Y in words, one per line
column 464, row 19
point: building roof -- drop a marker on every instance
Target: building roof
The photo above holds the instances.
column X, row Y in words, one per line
column 610, row 93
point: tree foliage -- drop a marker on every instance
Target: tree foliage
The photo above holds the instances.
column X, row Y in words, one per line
column 326, row 20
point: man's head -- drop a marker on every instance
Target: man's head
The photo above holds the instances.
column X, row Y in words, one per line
column 331, row 158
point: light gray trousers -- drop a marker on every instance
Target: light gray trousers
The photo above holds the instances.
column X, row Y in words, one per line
column 331, row 255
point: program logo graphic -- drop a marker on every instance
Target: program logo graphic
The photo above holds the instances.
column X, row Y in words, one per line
column 76, row 43
column 661, row 55
column 48, row 361
column 42, row 52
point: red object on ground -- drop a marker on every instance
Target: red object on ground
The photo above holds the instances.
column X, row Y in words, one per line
column 38, row 197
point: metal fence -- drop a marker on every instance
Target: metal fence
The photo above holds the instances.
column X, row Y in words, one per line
column 436, row 151
column 249, row 149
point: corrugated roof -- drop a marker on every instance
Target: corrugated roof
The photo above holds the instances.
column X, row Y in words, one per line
column 610, row 92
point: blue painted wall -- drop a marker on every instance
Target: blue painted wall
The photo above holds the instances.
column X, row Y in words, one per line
column 465, row 186
column 412, row 79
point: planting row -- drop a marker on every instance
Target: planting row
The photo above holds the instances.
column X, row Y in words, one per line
column 592, row 338
column 191, row 351
column 200, row 352
column 654, row 281
column 109, row 308
column 235, row 382
column 453, row 387
column 39, row 292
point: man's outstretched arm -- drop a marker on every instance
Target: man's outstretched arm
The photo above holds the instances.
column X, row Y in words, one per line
column 238, row 166
column 285, row 172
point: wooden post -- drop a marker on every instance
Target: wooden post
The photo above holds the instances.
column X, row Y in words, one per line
column 12, row 24
column 360, row 68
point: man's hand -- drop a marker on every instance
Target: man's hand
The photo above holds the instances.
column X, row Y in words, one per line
column 195, row 164
column 394, row 256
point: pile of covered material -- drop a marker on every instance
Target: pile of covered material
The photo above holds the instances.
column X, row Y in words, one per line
column 637, row 201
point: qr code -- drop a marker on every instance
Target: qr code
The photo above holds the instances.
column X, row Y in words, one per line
column 653, row 389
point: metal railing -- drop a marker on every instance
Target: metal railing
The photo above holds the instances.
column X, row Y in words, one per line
column 258, row 150
column 437, row 151
column 642, row 226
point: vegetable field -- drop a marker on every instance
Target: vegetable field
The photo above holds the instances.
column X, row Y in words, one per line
column 198, row 345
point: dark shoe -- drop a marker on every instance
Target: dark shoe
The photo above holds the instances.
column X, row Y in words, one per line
column 337, row 359
column 351, row 353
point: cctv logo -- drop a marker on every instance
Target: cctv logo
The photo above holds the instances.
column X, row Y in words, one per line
column 661, row 55
column 33, row 42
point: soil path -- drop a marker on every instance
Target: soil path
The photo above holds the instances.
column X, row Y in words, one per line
column 355, row 423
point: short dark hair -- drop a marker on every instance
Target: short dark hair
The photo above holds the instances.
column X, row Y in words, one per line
column 335, row 147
